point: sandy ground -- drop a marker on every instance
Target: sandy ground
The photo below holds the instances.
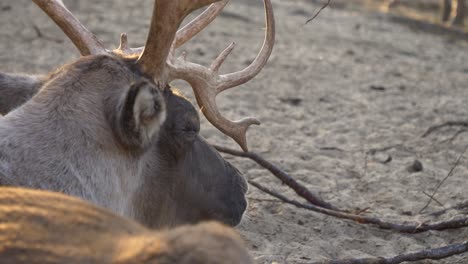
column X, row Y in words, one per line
column 348, row 82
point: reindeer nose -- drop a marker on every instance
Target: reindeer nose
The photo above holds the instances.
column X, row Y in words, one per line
column 238, row 208
column 236, row 196
column 190, row 131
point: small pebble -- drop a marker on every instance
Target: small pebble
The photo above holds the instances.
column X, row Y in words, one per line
column 416, row 166
column 408, row 213
column 377, row 88
column 383, row 158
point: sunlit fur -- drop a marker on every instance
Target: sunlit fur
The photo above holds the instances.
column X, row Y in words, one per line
column 50, row 228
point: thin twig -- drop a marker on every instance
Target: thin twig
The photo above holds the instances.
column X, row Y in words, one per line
column 303, row 192
column 432, row 253
column 43, row 36
column 332, row 148
column 455, row 165
column 366, row 163
column 300, row 189
column 460, row 206
column 318, row 12
column 432, row 129
column 263, row 200
column 455, row 136
column 401, row 228
column 432, row 197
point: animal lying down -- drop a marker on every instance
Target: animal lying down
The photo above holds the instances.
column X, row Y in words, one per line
column 50, row 228
column 108, row 127
column 185, row 180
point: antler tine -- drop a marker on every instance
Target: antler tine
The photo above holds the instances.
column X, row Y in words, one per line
column 199, row 23
column 86, row 42
column 247, row 74
column 184, row 34
column 167, row 17
column 222, row 58
column 207, row 84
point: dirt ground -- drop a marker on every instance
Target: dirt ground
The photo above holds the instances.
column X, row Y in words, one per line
column 345, row 83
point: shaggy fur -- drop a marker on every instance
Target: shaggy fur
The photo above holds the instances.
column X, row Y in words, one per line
column 182, row 180
column 48, row 228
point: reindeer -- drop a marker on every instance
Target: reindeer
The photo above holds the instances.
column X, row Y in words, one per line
column 110, row 129
column 48, row 228
column 446, row 9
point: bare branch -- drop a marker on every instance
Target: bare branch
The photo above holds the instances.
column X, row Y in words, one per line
column 366, row 220
column 432, row 129
column 433, row 198
column 455, row 165
column 460, row 206
column 318, row 12
column 432, row 253
column 320, row 206
column 285, row 178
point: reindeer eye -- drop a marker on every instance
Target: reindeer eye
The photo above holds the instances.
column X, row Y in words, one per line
column 190, row 129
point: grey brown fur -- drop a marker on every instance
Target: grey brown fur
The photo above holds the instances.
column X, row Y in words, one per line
column 63, row 138
column 182, row 178
column 16, row 89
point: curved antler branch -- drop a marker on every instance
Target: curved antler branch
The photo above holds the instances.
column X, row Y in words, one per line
column 199, row 23
column 222, row 57
column 207, row 84
column 187, row 32
column 247, row 74
column 167, row 17
column 86, row 42
column 157, row 57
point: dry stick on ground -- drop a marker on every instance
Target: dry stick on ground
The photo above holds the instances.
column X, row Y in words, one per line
column 43, row 36
column 433, row 253
column 300, row 189
column 317, row 206
column 367, row 220
column 433, row 198
column 455, row 136
column 318, row 12
column 455, row 165
column 432, row 129
column 460, row 206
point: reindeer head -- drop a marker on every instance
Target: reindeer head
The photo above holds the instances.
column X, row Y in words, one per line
column 158, row 60
column 183, row 179
column 198, row 183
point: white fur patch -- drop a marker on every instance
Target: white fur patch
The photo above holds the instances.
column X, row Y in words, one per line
column 147, row 119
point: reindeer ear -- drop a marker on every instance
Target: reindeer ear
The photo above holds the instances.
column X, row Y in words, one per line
column 143, row 112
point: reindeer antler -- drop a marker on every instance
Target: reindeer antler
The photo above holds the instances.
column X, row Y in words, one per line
column 167, row 17
column 207, row 83
column 157, row 57
column 84, row 40
column 88, row 44
column 199, row 23
column 158, row 60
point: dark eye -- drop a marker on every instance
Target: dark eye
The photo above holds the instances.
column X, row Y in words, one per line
column 190, row 132
column 190, row 129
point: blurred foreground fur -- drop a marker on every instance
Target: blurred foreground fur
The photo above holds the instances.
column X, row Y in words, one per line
column 46, row 227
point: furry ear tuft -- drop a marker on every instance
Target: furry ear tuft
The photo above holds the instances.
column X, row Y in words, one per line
column 142, row 113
